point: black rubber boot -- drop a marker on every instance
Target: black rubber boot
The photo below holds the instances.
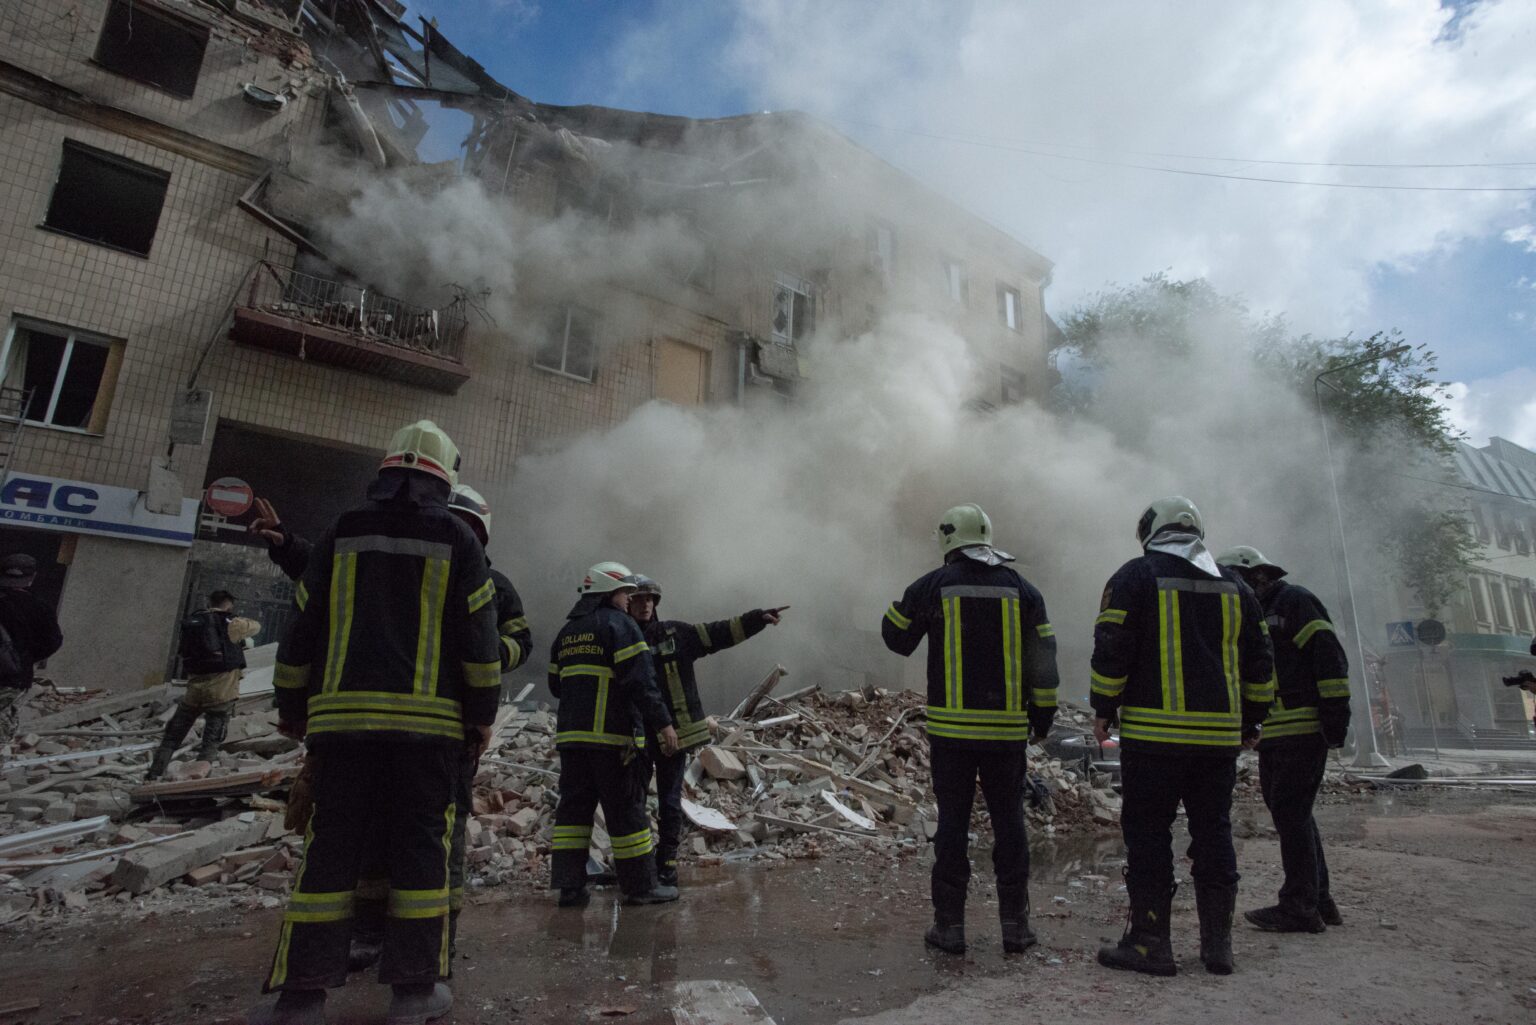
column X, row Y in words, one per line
column 159, row 763
column 1328, row 911
column 948, row 938
column 657, row 894
column 1282, row 919
column 1215, row 905
column 574, row 897
column 215, row 729
column 1146, row 946
column 292, row 1007
column 666, row 870
column 419, row 1004
column 1013, row 912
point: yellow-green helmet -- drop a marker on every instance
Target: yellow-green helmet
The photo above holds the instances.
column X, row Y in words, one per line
column 1175, row 511
column 425, row 447
column 963, row 526
column 1247, row 557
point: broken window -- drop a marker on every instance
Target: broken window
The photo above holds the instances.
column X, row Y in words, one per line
column 1008, row 307
column 569, row 348
column 1500, row 609
column 955, row 283
column 64, row 373
column 1518, row 603
column 1013, row 386
column 152, row 46
column 137, row 194
column 794, row 310
column 1479, row 523
column 882, row 250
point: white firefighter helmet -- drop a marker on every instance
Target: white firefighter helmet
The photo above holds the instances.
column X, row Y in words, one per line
column 963, row 526
column 607, row 577
column 426, row 447
column 1247, row 557
column 1176, row 511
column 466, row 501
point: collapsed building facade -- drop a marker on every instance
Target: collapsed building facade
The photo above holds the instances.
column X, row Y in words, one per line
column 198, row 284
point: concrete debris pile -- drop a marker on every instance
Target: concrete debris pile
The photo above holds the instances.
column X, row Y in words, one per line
column 804, row 775
column 79, row 827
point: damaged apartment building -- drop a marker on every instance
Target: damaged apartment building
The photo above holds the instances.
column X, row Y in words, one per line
column 220, row 265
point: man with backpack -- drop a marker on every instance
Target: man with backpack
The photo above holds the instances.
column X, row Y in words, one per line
column 213, row 656
column 29, row 633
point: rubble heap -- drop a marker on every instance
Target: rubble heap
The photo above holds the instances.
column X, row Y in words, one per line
column 801, row 775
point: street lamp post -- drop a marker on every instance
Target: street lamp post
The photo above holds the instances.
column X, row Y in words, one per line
column 1364, row 758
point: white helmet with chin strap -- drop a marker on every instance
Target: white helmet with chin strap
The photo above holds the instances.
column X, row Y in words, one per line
column 606, row 577
column 1243, row 557
column 466, row 501
column 1176, row 512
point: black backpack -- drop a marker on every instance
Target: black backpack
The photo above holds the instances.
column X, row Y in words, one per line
column 205, row 644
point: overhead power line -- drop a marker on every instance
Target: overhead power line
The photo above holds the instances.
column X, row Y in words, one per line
column 1160, row 169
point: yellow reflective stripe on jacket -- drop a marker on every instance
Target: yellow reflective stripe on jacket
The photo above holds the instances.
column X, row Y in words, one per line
column 978, row 715
column 1305, row 633
column 1179, row 716
column 1108, row 686
column 625, row 654
column 1013, row 656
column 738, row 631
column 290, row 677
column 1043, row 629
column 482, row 594
column 1115, row 616
column 343, row 583
column 1130, row 730
column 1043, row 697
column 959, row 731
column 383, row 701
column 301, row 595
column 899, row 621
column 571, row 838
column 429, row 631
column 704, row 638
column 954, row 690
column 418, row 903
column 1260, row 692
column 335, row 906
column 391, row 723
column 482, row 674
column 1170, row 649
column 601, row 672
column 1231, row 626
column 1291, row 722
column 513, row 626
column 1333, row 688
column 513, row 649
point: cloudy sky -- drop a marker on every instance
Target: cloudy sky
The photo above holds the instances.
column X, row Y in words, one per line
column 1116, row 138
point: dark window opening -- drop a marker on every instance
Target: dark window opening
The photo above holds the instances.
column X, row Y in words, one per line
column 794, row 311
column 106, row 199
column 1013, row 386
column 149, row 46
column 1009, row 307
column 64, row 371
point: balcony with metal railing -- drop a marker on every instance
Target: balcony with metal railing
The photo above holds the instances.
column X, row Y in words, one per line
column 345, row 325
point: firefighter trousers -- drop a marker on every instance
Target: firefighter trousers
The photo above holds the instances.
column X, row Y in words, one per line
column 373, row 877
column 1152, row 785
column 215, row 728
column 1290, row 774
column 669, row 804
column 956, row 769
column 398, row 796
column 592, row 776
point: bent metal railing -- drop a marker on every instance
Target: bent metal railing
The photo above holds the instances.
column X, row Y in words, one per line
column 361, row 311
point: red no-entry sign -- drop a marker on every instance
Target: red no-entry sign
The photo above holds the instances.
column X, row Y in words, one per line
column 230, row 496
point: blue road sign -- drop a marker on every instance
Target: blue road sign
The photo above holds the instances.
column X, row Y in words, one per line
column 1400, row 635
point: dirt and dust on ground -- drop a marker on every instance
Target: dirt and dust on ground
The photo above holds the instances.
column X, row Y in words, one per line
column 1436, row 889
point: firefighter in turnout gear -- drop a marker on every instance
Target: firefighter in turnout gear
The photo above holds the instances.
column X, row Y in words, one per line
column 1181, row 656
column 291, row 554
column 1310, row 715
column 213, row 657
column 390, row 667
column 601, row 674
column 991, row 686
column 675, row 647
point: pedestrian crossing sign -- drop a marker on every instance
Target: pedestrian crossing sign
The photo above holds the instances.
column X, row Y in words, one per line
column 1400, row 635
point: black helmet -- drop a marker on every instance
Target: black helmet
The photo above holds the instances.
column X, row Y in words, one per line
column 645, row 585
